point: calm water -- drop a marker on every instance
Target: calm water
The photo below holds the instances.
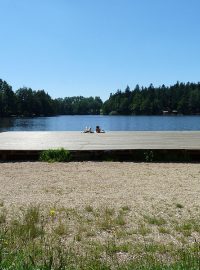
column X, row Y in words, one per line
column 109, row 123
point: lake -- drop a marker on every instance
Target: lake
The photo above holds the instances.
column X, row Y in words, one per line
column 108, row 123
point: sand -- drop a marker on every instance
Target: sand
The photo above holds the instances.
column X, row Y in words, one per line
column 141, row 186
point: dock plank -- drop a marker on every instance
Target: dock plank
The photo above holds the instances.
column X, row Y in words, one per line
column 115, row 140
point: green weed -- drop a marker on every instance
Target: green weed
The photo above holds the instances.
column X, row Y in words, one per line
column 2, row 216
column 163, row 230
column 143, row 230
column 61, row 229
column 178, row 205
column 148, row 156
column 120, row 219
column 155, row 220
column 55, row 155
column 126, row 208
column 89, row 208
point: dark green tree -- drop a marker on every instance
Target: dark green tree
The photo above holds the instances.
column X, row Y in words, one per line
column 7, row 99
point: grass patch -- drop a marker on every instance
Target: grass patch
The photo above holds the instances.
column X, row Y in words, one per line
column 89, row 209
column 55, row 155
column 155, row 220
column 126, row 208
column 188, row 226
column 178, row 205
column 112, row 247
column 61, row 229
column 110, row 220
column 143, row 230
column 1, row 203
column 57, row 238
column 120, row 219
column 30, row 226
column 163, row 230
column 2, row 216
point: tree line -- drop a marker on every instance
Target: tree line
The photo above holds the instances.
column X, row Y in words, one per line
column 28, row 102
column 180, row 98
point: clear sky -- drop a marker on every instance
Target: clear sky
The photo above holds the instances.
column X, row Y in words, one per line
column 94, row 47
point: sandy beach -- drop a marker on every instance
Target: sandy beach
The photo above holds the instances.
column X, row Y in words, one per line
column 141, row 186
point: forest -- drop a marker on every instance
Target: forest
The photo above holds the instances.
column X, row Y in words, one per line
column 180, row 98
column 28, row 102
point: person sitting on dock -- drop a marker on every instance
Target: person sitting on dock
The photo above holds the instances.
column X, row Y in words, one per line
column 88, row 130
column 98, row 130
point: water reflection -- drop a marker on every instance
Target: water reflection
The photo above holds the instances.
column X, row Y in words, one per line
column 6, row 123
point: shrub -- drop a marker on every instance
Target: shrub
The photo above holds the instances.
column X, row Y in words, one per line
column 55, row 155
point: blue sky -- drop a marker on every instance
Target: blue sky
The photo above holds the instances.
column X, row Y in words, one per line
column 94, row 47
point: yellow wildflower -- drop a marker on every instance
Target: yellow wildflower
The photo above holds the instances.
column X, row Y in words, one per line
column 52, row 212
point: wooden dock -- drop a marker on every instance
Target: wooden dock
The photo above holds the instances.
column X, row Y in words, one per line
column 15, row 144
